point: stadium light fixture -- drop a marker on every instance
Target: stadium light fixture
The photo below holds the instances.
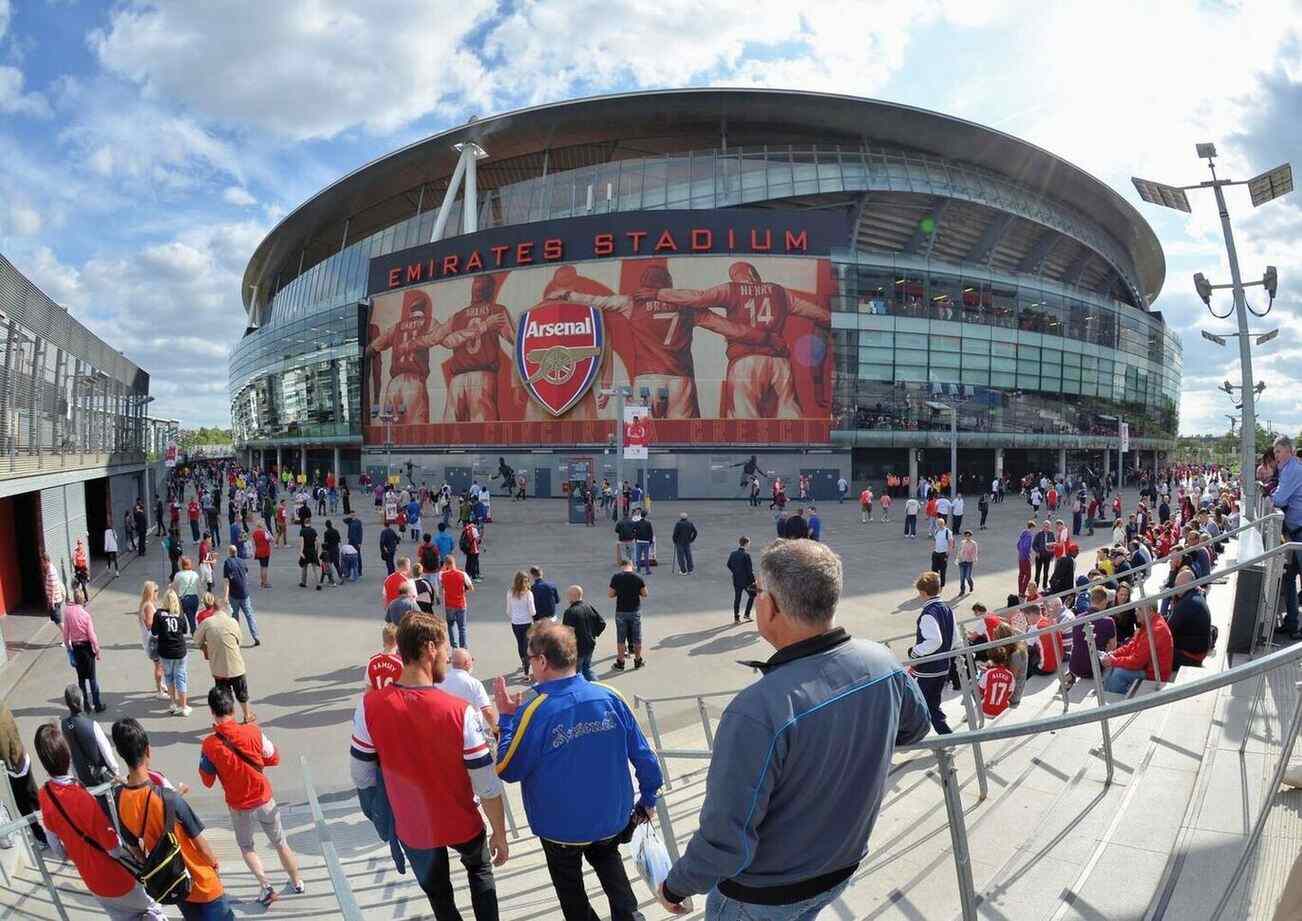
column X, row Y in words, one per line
column 1271, row 184
column 1203, row 287
column 1266, row 337
column 1159, row 193
column 1206, row 150
column 1212, row 337
column 1270, row 281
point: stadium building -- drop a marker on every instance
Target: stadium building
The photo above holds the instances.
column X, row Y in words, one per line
column 817, row 280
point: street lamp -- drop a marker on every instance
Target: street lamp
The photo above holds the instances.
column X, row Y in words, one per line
column 387, row 416
column 1262, row 188
column 620, row 393
column 937, row 407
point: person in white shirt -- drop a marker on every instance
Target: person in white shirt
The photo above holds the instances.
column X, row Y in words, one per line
column 940, row 551
column 520, row 609
column 842, row 488
column 911, row 519
column 459, row 682
column 956, row 511
column 111, row 550
column 994, row 489
column 943, row 507
column 1037, row 497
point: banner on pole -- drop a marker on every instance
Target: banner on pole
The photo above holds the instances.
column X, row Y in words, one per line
column 1125, row 437
column 169, row 454
column 637, row 432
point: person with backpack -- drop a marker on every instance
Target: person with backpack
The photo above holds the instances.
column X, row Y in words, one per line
column 470, row 546
column 237, row 754
column 166, row 835
column 75, row 824
column 587, row 624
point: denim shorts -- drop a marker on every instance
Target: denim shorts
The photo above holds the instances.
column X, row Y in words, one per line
column 628, row 627
column 176, row 673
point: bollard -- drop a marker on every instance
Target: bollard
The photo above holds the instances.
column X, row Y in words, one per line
column 1098, row 692
column 705, row 723
column 655, row 737
column 957, row 833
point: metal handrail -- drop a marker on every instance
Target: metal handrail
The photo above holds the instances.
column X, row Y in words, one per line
column 348, row 907
column 1146, row 601
column 1074, row 590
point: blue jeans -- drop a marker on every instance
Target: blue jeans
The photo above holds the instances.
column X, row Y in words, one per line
column 358, row 548
column 216, row 910
column 642, row 550
column 1119, row 680
column 456, row 617
column 719, row 907
column 245, row 605
column 190, row 608
column 349, row 571
column 430, row 867
column 684, row 554
column 965, row 576
column 585, row 667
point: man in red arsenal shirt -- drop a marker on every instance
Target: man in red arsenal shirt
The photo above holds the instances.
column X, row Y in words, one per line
column 474, row 335
column 759, row 374
column 68, row 812
column 662, row 341
column 436, row 758
column 192, row 512
column 392, row 585
column 385, row 666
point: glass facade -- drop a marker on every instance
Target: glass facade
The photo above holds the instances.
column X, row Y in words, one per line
column 299, row 381
column 1020, row 354
column 700, row 179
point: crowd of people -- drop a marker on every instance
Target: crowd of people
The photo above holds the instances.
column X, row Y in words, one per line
column 431, row 748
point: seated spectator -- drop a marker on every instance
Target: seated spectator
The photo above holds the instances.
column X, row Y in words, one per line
column 1048, row 645
column 1125, row 620
column 76, row 825
column 1190, row 623
column 1017, row 661
column 1134, row 661
column 1104, row 631
column 996, row 683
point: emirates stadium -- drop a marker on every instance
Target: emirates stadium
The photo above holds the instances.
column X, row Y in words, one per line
column 824, row 283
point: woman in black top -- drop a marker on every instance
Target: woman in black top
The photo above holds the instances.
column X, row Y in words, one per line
column 169, row 630
column 308, row 555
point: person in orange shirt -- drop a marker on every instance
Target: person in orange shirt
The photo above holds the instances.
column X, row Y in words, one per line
column 143, row 806
column 932, row 510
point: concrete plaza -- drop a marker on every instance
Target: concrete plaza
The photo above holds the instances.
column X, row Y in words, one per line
column 306, row 677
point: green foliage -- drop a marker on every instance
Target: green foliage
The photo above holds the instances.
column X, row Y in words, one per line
column 190, row 438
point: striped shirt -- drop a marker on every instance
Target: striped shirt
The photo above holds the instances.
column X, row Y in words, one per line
column 53, row 585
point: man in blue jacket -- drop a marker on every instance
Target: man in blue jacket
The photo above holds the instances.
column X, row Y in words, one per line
column 355, row 539
column 570, row 748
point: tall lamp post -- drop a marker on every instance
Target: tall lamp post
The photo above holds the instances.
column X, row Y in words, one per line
column 938, row 407
column 1262, row 188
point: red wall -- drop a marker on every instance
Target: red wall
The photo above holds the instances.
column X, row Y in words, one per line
column 11, row 589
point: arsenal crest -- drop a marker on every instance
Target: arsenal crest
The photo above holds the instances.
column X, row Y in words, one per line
column 558, row 349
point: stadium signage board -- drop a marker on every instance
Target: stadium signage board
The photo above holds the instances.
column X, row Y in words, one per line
column 738, row 231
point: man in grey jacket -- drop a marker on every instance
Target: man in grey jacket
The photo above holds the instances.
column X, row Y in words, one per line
column 801, row 756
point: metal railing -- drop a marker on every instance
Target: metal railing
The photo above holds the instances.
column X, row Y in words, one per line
column 1273, row 561
column 22, row 828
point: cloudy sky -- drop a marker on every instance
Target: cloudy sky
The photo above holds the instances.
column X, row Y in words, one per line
column 147, row 147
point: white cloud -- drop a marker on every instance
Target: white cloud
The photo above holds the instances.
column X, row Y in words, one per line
column 24, row 221
column 308, row 70
column 4, row 17
column 13, row 101
column 174, row 307
column 238, row 196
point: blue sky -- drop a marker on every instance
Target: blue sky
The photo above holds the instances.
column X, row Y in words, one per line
column 147, row 147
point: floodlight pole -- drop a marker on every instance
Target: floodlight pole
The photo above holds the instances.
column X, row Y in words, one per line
column 1248, row 427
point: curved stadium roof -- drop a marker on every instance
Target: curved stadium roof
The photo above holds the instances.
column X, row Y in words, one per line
column 604, row 128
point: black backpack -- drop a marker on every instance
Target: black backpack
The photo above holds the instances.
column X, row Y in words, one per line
column 161, row 871
column 465, row 541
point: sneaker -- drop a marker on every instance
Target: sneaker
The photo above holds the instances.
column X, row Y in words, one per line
column 163, row 694
column 318, row 586
column 268, row 896
column 638, row 663
column 619, row 665
column 736, row 618
column 298, row 888
column 748, row 617
column 185, row 711
column 100, row 708
column 173, row 710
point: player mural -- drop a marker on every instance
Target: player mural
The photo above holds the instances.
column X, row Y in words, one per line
column 722, row 349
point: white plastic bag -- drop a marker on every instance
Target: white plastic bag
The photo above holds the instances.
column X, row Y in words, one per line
column 651, row 858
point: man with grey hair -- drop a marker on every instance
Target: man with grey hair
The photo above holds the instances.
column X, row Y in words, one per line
column 1287, row 497
column 777, row 827
column 403, row 605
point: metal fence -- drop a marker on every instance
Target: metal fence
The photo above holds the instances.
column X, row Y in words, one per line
column 63, row 390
